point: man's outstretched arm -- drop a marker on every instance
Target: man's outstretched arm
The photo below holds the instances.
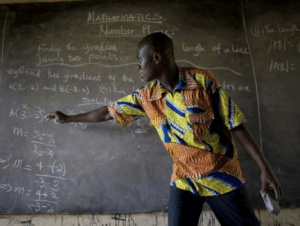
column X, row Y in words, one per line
column 98, row 115
column 242, row 134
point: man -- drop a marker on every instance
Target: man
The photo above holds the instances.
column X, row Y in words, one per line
column 195, row 119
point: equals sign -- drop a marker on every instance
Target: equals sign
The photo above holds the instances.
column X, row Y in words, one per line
column 27, row 167
column 28, row 193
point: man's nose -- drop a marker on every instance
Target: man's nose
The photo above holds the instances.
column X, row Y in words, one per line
column 138, row 67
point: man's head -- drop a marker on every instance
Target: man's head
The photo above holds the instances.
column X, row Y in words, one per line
column 155, row 53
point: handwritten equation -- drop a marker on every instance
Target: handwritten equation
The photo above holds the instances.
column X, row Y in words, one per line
column 44, row 170
column 282, row 40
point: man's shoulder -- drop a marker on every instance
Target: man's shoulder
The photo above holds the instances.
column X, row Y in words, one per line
column 204, row 77
column 199, row 72
column 151, row 90
column 149, row 86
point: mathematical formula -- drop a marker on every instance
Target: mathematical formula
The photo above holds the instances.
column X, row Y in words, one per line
column 46, row 172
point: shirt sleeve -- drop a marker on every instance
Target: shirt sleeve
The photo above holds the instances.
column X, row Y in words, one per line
column 224, row 107
column 227, row 109
column 126, row 109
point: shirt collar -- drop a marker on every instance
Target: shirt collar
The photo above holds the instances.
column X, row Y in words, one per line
column 186, row 82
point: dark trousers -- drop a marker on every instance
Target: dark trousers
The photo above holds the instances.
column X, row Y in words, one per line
column 232, row 209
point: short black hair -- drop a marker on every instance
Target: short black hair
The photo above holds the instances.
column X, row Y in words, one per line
column 159, row 41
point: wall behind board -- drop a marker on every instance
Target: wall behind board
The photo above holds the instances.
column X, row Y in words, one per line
column 76, row 56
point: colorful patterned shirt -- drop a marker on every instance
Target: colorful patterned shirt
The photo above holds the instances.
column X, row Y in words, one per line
column 194, row 123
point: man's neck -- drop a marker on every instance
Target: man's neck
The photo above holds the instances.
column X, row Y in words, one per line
column 170, row 78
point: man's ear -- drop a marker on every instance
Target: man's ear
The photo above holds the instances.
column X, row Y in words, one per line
column 157, row 57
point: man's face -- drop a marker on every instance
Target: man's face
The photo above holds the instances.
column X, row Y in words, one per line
column 146, row 64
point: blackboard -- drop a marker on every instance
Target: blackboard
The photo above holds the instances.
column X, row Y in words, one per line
column 76, row 56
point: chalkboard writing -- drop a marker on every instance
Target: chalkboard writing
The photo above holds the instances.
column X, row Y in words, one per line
column 78, row 56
